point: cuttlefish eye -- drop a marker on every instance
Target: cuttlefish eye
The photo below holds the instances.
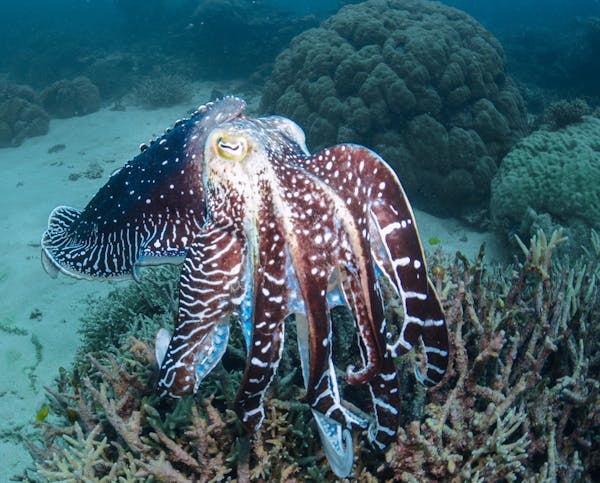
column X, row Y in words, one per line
column 231, row 146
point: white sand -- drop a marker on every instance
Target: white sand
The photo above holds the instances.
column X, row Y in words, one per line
column 33, row 182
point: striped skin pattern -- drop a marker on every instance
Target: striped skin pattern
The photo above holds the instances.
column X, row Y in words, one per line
column 147, row 212
column 267, row 230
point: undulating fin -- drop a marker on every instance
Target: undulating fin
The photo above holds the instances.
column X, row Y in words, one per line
column 147, row 212
column 57, row 235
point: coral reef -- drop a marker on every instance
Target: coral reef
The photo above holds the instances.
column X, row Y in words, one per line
column 564, row 112
column 520, row 401
column 21, row 115
column 550, row 179
column 421, row 83
column 136, row 310
column 114, row 73
column 163, row 90
column 68, row 98
column 110, row 425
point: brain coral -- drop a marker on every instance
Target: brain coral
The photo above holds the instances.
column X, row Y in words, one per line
column 551, row 178
column 421, row 83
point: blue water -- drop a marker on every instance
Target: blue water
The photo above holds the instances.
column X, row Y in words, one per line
column 113, row 23
column 518, row 14
column 127, row 47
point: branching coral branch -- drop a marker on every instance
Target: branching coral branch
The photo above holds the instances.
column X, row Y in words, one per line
column 520, row 394
column 83, row 456
column 520, row 401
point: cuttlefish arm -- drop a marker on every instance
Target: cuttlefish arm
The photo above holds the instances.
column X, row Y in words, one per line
column 334, row 420
column 394, row 242
column 266, row 319
column 384, row 385
column 398, row 253
column 209, row 291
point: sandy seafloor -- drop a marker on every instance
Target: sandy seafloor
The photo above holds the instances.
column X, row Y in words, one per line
column 36, row 310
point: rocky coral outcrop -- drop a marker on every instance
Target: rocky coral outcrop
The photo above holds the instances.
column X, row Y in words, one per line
column 68, row 98
column 21, row 115
column 550, row 179
column 163, row 90
column 421, row 83
column 566, row 111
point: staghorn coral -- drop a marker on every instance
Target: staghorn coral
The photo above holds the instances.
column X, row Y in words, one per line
column 421, row 83
column 82, row 456
column 520, row 402
column 521, row 397
column 198, row 440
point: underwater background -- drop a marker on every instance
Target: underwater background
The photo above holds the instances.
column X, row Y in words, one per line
column 488, row 111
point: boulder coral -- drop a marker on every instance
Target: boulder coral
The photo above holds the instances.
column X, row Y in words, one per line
column 551, row 179
column 21, row 115
column 68, row 98
column 421, row 83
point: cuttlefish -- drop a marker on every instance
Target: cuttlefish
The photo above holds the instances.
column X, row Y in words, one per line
column 265, row 229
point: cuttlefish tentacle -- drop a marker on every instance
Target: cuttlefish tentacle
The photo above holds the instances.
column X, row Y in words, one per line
column 333, row 419
column 385, row 395
column 210, row 282
column 399, row 253
column 383, row 386
column 323, row 395
column 335, row 435
column 367, row 309
column 347, row 226
column 342, row 170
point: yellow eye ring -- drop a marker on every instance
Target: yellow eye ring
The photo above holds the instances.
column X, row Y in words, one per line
column 232, row 147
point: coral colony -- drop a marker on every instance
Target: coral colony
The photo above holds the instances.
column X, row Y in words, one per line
column 520, row 399
column 423, row 84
